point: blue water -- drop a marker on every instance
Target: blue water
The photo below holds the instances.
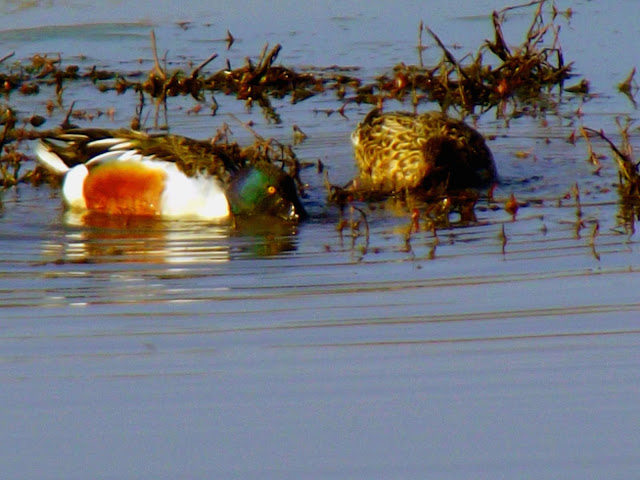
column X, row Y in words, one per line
column 190, row 350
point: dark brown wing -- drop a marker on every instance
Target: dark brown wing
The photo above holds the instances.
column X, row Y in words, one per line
column 77, row 146
column 459, row 153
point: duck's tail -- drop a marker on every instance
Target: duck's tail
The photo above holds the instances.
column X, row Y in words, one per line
column 51, row 161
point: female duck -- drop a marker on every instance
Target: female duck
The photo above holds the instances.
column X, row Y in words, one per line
column 134, row 173
column 399, row 151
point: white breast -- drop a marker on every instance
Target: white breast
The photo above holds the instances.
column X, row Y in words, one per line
column 200, row 196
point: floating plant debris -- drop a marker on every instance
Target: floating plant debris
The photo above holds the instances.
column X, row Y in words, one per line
column 523, row 72
column 623, row 155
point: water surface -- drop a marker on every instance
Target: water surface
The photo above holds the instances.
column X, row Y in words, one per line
column 192, row 350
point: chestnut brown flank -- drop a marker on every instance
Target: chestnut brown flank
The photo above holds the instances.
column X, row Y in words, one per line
column 128, row 188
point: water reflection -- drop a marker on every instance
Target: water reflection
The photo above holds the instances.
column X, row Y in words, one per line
column 98, row 238
column 264, row 236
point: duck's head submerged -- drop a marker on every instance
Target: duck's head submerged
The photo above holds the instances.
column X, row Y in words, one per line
column 264, row 189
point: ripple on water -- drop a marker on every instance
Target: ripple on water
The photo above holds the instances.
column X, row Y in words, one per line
column 498, row 347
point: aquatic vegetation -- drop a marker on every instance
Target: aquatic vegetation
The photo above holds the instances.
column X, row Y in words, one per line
column 523, row 72
column 629, row 87
column 520, row 73
column 628, row 169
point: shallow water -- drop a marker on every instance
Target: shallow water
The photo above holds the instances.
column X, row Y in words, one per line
column 138, row 349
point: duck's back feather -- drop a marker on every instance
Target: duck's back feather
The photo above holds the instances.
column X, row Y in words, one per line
column 190, row 156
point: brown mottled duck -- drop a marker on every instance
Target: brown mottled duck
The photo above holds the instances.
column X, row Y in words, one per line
column 399, row 151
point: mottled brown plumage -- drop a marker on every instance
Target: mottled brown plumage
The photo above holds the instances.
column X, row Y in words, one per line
column 399, row 151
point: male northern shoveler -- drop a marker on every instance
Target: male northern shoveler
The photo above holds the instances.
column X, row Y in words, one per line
column 398, row 151
column 134, row 173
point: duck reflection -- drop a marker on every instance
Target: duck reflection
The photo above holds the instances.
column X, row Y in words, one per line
column 99, row 238
column 264, row 236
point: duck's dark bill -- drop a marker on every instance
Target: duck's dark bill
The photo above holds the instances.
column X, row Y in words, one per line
column 296, row 212
column 290, row 211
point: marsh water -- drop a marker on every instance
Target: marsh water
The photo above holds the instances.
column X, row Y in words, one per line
column 505, row 348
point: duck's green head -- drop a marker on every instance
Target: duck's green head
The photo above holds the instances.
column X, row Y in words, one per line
column 264, row 189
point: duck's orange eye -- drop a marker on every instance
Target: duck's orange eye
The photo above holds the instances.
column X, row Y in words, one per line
column 271, row 189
